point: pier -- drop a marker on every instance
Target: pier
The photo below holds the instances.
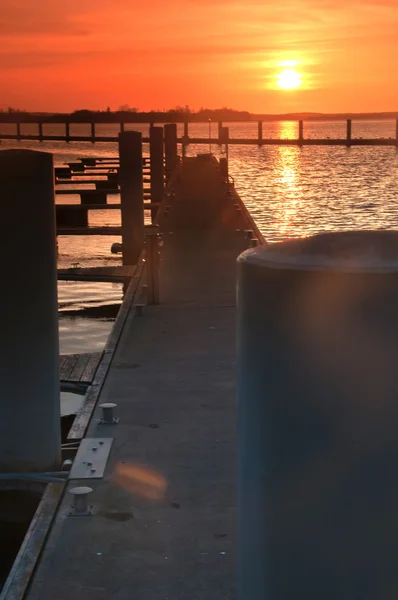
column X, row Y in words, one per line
column 186, row 140
column 166, row 500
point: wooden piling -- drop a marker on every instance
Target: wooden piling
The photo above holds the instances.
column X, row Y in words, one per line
column 152, row 266
column 186, row 134
column 67, row 131
column 131, row 195
column 18, row 130
column 219, row 131
column 40, row 131
column 349, row 130
column 396, row 133
column 121, row 127
column 30, row 437
column 260, row 132
column 170, row 147
column 93, row 132
column 156, row 165
column 224, row 139
column 301, row 133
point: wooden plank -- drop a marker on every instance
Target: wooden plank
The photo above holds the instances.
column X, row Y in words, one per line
column 89, row 371
column 70, row 361
column 79, row 367
column 22, row 571
column 62, row 358
column 147, row 206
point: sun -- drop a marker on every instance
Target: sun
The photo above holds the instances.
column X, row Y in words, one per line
column 289, row 79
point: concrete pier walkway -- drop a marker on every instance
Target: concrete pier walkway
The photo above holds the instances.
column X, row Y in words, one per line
column 163, row 526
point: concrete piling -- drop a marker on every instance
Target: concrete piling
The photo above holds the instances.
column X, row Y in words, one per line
column 30, row 437
column 131, row 195
column 318, row 416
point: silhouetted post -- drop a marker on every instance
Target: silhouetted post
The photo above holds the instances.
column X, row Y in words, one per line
column 93, row 132
column 121, row 127
column 318, row 418
column 224, row 139
column 396, row 132
column 131, row 195
column 301, row 133
column 260, row 132
column 186, row 134
column 156, row 166
column 170, row 147
column 349, row 128
column 18, row 130
column 40, row 131
column 152, row 266
column 30, row 424
column 219, row 131
column 67, row 131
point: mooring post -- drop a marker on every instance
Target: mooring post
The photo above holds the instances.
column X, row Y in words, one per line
column 67, row 131
column 40, row 131
column 19, row 130
column 152, row 266
column 170, row 147
column 318, row 417
column 349, row 129
column 186, row 132
column 301, row 133
column 260, row 132
column 30, row 423
column 220, row 132
column 121, row 127
column 131, row 195
column 93, row 132
column 224, row 139
column 156, row 166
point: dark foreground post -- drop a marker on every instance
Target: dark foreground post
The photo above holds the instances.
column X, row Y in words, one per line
column 30, row 438
column 18, row 130
column 260, row 131
column 93, row 132
column 318, row 418
column 156, row 166
column 131, row 195
column 186, row 131
column 40, row 131
column 349, row 129
column 152, row 266
column 67, row 131
column 170, row 147
column 220, row 131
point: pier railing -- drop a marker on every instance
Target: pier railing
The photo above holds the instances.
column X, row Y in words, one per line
column 186, row 139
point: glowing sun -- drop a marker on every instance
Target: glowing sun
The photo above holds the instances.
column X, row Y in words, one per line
column 289, row 79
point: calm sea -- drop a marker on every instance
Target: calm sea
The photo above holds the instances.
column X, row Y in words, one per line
column 290, row 192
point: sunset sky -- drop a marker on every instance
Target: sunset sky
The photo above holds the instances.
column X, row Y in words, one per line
column 61, row 56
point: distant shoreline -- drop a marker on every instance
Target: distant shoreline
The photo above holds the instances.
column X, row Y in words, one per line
column 175, row 116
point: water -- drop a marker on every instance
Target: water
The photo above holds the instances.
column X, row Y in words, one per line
column 290, row 192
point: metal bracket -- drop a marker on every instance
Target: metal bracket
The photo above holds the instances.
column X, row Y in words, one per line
column 91, row 458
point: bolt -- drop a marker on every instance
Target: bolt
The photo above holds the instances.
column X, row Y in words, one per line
column 94, row 448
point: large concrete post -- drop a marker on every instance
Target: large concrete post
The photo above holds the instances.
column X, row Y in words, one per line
column 30, row 438
column 156, row 165
column 318, row 418
column 170, row 147
column 131, row 195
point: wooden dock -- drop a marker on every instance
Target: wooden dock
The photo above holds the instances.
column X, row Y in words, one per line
column 164, row 514
column 79, row 368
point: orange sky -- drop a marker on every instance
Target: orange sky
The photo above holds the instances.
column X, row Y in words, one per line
column 62, row 56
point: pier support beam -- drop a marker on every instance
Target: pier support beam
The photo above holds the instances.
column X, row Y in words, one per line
column 349, row 130
column 318, row 418
column 93, row 132
column 67, row 131
column 18, row 130
column 40, row 131
column 260, row 132
column 156, row 166
column 220, row 131
column 170, row 147
column 30, row 438
column 131, row 195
